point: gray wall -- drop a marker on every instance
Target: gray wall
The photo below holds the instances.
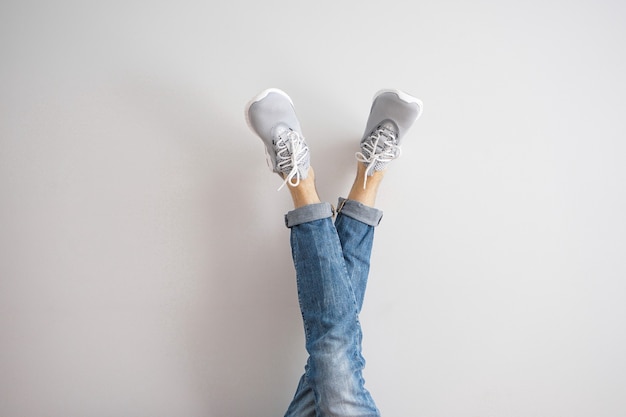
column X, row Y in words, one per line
column 144, row 264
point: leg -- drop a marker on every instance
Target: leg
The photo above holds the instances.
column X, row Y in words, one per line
column 392, row 114
column 355, row 223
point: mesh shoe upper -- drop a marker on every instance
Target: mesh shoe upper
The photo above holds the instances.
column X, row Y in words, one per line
column 291, row 155
column 271, row 115
column 392, row 114
column 380, row 147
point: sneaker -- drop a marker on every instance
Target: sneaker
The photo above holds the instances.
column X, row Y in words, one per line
column 392, row 114
column 272, row 117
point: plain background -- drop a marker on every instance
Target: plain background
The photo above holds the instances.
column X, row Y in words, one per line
column 144, row 264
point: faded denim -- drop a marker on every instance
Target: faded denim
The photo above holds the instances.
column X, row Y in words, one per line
column 332, row 266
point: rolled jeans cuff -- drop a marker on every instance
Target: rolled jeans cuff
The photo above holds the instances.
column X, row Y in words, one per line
column 359, row 211
column 308, row 213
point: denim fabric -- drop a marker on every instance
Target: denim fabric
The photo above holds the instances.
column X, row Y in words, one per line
column 360, row 211
column 332, row 265
column 308, row 213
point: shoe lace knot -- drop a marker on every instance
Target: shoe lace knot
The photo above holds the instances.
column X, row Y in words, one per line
column 291, row 151
column 378, row 149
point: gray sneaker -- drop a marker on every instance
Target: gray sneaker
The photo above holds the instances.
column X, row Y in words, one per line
column 392, row 114
column 271, row 115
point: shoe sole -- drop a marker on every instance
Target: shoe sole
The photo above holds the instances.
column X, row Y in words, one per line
column 404, row 97
column 260, row 97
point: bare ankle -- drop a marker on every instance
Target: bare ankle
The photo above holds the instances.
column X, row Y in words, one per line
column 305, row 192
column 365, row 190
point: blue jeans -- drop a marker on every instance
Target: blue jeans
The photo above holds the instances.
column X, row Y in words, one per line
column 332, row 265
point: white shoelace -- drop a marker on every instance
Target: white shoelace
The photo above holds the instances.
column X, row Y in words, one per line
column 291, row 150
column 379, row 148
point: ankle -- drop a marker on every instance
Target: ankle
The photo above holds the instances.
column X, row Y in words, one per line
column 365, row 191
column 305, row 192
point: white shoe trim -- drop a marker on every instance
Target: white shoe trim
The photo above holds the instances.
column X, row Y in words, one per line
column 260, row 97
column 407, row 98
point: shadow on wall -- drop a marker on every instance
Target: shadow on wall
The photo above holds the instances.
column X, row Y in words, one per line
column 242, row 327
column 253, row 341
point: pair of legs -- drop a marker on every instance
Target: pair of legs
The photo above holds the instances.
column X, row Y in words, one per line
column 332, row 259
column 332, row 264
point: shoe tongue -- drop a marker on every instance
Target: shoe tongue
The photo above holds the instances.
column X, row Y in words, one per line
column 386, row 130
column 389, row 126
column 284, row 141
column 279, row 130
